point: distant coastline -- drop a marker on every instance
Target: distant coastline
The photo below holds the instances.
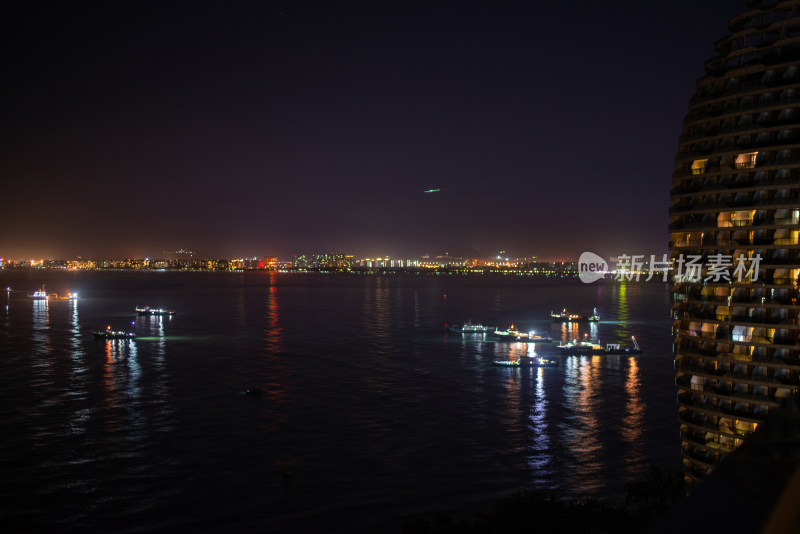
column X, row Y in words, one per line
column 557, row 272
column 325, row 263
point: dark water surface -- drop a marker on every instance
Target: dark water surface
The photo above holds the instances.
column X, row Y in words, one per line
column 371, row 413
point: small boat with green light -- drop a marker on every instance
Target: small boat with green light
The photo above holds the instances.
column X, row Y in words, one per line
column 113, row 334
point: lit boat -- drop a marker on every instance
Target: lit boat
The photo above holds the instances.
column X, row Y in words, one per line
column 469, row 328
column 147, row 310
column 39, row 294
column 565, row 317
column 516, row 336
column 527, row 362
column 578, row 348
column 113, row 334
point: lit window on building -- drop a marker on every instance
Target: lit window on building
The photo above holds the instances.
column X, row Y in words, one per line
column 746, row 160
column 699, row 166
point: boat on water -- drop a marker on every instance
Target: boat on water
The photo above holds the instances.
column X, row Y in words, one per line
column 469, row 328
column 565, row 317
column 39, row 294
column 526, row 361
column 113, row 334
column 581, row 348
column 516, row 336
column 42, row 294
column 147, row 310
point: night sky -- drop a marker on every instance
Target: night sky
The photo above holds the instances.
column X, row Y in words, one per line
column 254, row 128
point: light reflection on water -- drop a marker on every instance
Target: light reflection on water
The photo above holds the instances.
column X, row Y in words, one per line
column 513, row 351
column 79, row 416
column 569, row 331
column 475, row 344
column 621, row 330
column 584, row 379
column 378, row 316
column 41, row 327
column 273, row 327
column 632, row 426
column 151, row 387
column 278, row 379
column 540, row 453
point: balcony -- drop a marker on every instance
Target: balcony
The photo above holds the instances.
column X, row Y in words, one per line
column 686, row 417
column 695, row 473
column 685, row 244
column 711, row 225
column 793, row 181
column 779, row 121
column 745, row 414
column 718, row 300
column 775, row 203
column 772, row 143
column 685, row 383
column 725, row 374
column 764, row 321
column 687, row 354
column 695, row 352
column 686, row 190
column 710, row 445
column 708, row 371
column 700, row 458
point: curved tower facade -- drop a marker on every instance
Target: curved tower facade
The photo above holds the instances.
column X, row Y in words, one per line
column 735, row 199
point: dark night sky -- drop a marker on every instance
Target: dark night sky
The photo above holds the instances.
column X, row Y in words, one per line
column 242, row 128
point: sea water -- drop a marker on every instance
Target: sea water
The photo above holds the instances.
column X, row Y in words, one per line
column 371, row 412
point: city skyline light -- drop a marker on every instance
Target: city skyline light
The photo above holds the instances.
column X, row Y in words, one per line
column 274, row 128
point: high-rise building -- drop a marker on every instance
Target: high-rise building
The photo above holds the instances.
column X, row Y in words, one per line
column 736, row 194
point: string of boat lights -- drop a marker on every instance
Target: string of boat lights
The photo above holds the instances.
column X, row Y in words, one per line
column 41, row 294
column 571, row 348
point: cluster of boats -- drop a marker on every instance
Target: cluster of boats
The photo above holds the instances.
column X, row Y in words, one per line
column 108, row 333
column 510, row 334
column 571, row 348
column 514, row 335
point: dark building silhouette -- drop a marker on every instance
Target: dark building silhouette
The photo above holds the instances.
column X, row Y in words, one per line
column 735, row 201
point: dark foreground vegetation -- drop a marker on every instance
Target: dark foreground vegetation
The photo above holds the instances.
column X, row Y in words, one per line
column 646, row 502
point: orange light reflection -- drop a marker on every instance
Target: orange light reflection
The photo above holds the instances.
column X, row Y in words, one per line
column 633, row 422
